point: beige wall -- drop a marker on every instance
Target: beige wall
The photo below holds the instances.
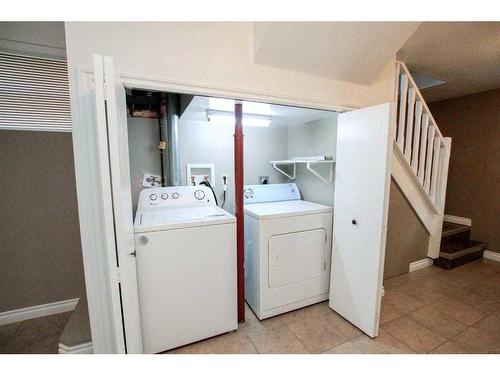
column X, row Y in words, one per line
column 473, row 123
column 44, row 39
column 407, row 239
column 41, row 259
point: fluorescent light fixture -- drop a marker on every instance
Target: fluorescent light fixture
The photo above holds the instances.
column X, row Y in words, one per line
column 227, row 105
column 227, row 118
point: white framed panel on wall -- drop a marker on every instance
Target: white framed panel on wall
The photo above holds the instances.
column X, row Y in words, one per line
column 34, row 94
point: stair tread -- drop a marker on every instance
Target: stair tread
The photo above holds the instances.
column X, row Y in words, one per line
column 459, row 249
column 450, row 229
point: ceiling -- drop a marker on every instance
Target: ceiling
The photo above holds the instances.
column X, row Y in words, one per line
column 281, row 115
column 466, row 55
column 346, row 51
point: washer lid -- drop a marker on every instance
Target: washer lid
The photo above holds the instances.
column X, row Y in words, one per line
column 273, row 210
column 182, row 217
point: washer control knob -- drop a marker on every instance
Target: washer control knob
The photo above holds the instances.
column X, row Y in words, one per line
column 175, row 195
column 153, row 197
column 164, row 196
column 199, row 194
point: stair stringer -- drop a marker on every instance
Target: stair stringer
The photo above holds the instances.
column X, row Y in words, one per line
column 430, row 215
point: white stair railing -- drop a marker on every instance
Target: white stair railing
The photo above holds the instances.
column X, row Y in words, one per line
column 418, row 141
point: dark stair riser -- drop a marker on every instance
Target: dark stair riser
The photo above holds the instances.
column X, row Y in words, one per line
column 449, row 264
column 455, row 244
column 454, row 238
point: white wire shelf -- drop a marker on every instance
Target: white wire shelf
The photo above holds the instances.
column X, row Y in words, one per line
column 309, row 163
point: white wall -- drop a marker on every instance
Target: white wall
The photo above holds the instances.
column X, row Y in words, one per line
column 218, row 55
column 200, row 142
column 310, row 139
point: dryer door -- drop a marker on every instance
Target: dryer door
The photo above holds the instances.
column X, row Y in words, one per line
column 296, row 257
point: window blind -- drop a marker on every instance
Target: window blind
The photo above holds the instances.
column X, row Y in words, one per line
column 34, row 93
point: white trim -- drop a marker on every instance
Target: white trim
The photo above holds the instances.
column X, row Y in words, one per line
column 38, row 311
column 91, row 210
column 419, row 264
column 135, row 81
column 85, row 348
column 36, row 128
column 409, row 173
column 491, row 255
column 458, row 220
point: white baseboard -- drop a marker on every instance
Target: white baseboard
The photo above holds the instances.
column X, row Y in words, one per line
column 32, row 312
column 458, row 220
column 491, row 255
column 85, row 348
column 419, row 264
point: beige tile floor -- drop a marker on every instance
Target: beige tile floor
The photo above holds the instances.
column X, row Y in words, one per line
column 427, row 311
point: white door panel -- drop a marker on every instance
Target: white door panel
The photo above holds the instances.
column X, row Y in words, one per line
column 296, row 257
column 362, row 177
column 113, row 141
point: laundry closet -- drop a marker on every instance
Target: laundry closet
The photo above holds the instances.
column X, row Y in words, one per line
column 206, row 147
column 209, row 192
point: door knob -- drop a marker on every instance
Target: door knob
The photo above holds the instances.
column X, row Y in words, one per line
column 354, row 222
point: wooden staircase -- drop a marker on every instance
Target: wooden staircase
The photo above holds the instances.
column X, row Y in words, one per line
column 420, row 157
column 456, row 246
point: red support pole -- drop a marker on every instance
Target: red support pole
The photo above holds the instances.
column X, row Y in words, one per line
column 239, row 208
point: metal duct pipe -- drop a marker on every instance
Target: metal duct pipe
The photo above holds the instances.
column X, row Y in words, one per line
column 174, row 162
column 162, row 120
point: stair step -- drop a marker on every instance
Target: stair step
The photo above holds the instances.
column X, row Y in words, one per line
column 450, row 229
column 457, row 253
column 459, row 249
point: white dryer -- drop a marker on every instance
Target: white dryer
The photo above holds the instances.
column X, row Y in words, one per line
column 186, row 267
column 288, row 245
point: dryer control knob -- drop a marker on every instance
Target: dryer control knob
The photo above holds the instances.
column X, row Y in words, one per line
column 175, row 195
column 164, row 196
column 143, row 240
column 153, row 197
column 248, row 193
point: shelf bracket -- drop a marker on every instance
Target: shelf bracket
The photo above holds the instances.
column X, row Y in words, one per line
column 292, row 177
column 314, row 172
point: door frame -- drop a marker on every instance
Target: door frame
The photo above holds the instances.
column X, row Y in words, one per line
column 89, row 182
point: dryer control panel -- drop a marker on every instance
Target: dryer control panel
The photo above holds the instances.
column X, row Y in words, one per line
column 270, row 193
column 175, row 196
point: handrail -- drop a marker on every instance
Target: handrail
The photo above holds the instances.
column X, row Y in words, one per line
column 419, row 139
column 403, row 66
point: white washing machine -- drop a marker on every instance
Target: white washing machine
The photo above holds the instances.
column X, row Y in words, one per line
column 288, row 245
column 186, row 267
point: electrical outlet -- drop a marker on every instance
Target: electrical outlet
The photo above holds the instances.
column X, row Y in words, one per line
column 151, row 180
column 264, row 180
column 224, row 182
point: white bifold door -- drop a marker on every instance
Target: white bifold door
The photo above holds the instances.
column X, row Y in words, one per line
column 112, row 136
column 362, row 181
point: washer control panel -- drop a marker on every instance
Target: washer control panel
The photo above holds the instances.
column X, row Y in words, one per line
column 172, row 196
